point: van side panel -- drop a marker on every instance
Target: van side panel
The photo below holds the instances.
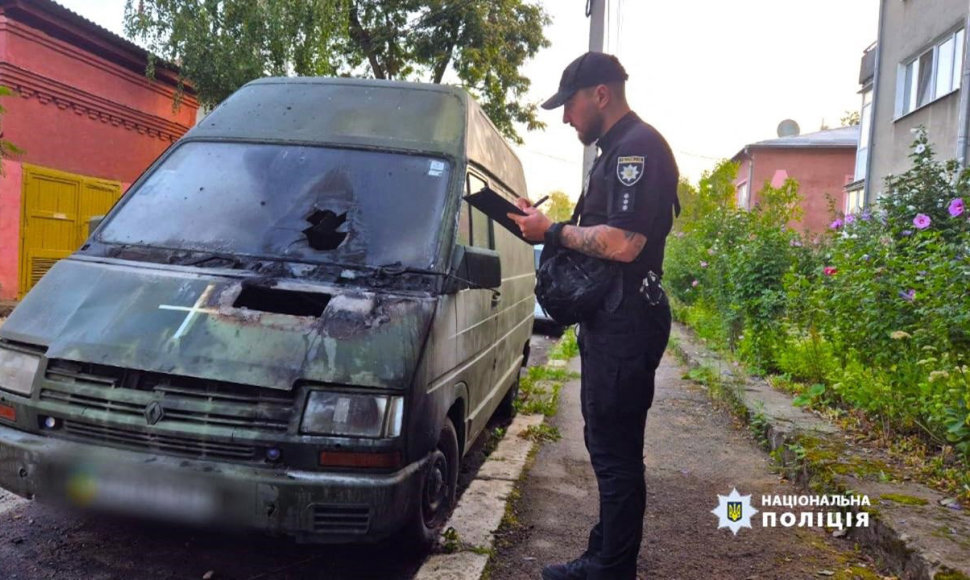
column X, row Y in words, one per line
column 514, row 319
column 476, row 350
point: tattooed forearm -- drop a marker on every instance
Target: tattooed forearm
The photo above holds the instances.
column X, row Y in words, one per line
column 590, row 241
column 604, row 242
column 636, row 241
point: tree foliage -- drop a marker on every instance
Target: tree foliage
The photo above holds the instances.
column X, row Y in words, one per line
column 6, row 147
column 559, row 208
column 222, row 44
column 850, row 119
column 873, row 316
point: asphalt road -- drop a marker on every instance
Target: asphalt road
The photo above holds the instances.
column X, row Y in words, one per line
column 40, row 542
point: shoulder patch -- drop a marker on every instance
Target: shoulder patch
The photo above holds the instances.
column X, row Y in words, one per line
column 629, row 169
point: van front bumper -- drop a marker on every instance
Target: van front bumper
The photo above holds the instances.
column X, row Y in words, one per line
column 309, row 505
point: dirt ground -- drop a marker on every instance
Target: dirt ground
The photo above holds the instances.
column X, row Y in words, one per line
column 694, row 453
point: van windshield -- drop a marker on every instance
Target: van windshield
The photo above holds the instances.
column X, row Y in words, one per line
column 308, row 204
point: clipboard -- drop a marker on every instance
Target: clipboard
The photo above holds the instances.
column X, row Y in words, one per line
column 496, row 207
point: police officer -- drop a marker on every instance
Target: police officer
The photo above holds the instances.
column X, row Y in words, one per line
column 625, row 213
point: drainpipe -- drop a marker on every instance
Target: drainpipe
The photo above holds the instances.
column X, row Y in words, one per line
column 963, row 124
column 747, row 151
column 880, row 39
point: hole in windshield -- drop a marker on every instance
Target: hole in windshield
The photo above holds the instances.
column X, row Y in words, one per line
column 324, row 232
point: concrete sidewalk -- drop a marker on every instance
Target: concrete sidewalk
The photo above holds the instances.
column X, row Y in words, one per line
column 694, row 453
column 917, row 531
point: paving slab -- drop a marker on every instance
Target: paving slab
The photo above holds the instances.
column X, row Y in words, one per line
column 458, row 566
column 480, row 513
column 512, row 452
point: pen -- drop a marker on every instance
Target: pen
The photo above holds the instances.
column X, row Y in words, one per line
column 541, row 201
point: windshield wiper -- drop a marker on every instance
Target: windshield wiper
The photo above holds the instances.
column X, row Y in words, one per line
column 233, row 261
column 396, row 269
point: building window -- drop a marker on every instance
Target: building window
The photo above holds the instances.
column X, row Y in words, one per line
column 865, row 120
column 935, row 73
column 854, row 200
column 742, row 193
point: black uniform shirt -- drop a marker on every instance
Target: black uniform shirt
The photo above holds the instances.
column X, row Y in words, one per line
column 633, row 187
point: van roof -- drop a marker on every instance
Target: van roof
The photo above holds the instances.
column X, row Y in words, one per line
column 413, row 117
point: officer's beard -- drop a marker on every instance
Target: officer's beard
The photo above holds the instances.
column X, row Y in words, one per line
column 594, row 132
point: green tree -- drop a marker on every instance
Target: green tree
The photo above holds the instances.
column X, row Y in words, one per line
column 222, row 44
column 6, row 147
column 559, row 208
column 850, row 119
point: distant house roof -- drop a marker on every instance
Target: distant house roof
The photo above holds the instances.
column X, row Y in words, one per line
column 63, row 23
column 841, row 138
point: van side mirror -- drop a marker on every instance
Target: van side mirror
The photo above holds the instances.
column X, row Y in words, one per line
column 476, row 268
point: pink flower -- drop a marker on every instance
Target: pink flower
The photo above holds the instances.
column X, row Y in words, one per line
column 829, row 270
column 922, row 221
column 956, row 207
column 694, row 283
column 703, row 264
column 836, row 224
column 710, row 251
column 849, row 219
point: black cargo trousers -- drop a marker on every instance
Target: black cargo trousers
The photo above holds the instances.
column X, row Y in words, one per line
column 620, row 352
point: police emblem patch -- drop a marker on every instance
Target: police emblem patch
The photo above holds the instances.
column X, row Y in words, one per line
column 629, row 169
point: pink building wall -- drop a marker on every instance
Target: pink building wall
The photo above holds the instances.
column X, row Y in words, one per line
column 83, row 105
column 10, row 193
column 820, row 173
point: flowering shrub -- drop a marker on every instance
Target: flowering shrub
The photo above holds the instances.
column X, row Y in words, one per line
column 878, row 310
column 728, row 264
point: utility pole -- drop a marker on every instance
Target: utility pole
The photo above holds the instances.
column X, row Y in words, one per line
column 596, row 12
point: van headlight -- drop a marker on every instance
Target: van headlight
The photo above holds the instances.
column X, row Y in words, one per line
column 17, row 370
column 352, row 414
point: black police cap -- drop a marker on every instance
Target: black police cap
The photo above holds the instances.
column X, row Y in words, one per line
column 589, row 70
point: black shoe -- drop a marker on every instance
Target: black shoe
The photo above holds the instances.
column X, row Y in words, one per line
column 575, row 570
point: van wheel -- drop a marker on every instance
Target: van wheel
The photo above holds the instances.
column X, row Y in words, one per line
column 506, row 408
column 438, row 488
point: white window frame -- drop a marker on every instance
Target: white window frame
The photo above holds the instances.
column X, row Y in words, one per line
column 907, row 95
column 854, row 201
column 862, row 148
column 743, row 194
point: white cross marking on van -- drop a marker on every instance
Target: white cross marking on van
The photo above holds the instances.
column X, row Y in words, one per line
column 190, row 317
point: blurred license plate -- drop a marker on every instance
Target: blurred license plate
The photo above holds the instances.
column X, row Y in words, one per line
column 127, row 492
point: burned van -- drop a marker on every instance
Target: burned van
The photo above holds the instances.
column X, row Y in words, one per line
column 291, row 322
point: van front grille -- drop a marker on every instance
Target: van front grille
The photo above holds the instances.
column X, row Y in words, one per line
column 169, row 444
column 113, row 393
column 341, row 519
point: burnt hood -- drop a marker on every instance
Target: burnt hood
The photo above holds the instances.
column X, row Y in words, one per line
column 210, row 327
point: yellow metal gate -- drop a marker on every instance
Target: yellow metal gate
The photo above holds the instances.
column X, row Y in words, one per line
column 54, row 220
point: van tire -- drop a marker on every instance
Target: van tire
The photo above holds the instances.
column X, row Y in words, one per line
column 506, row 408
column 439, row 485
